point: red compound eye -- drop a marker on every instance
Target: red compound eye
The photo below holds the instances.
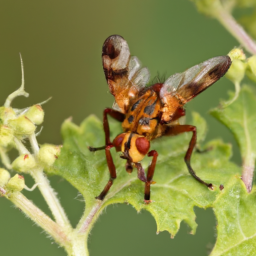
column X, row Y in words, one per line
column 118, row 141
column 143, row 145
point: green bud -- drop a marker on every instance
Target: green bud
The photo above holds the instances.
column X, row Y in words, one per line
column 251, row 68
column 22, row 126
column 236, row 71
column 4, row 177
column 6, row 114
column 24, row 163
column 48, row 154
column 6, row 136
column 16, row 183
column 35, row 114
column 237, row 54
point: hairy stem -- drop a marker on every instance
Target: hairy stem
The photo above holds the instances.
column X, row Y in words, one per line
column 248, row 155
column 20, row 147
column 228, row 21
column 247, row 173
column 33, row 143
column 88, row 219
column 5, row 159
column 44, row 186
column 51, row 199
column 39, row 217
column 79, row 246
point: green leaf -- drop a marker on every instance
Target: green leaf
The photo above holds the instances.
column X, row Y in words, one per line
column 235, row 212
column 174, row 195
column 240, row 118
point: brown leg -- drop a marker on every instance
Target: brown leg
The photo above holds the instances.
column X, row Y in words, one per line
column 141, row 172
column 112, row 170
column 116, row 115
column 151, row 170
column 177, row 129
column 111, row 166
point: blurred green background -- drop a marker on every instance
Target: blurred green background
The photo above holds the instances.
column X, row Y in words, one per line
column 60, row 42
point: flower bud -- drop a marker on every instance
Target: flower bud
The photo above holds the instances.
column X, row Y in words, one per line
column 237, row 54
column 35, row 114
column 6, row 136
column 236, row 71
column 24, row 163
column 6, row 114
column 4, row 177
column 22, row 126
column 48, row 154
column 251, row 68
column 16, row 183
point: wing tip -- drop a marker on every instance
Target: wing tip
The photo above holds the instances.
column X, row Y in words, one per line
column 224, row 65
column 111, row 45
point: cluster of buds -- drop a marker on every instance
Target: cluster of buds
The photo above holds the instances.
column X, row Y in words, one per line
column 21, row 125
column 45, row 157
column 17, row 125
column 241, row 66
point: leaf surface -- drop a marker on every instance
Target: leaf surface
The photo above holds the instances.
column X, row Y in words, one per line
column 235, row 208
column 240, row 118
column 175, row 193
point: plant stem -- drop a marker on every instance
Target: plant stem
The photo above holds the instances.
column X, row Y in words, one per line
column 227, row 20
column 247, row 173
column 51, row 199
column 33, row 143
column 237, row 91
column 44, row 186
column 40, row 218
column 87, row 220
column 20, row 147
column 5, row 159
column 20, row 91
column 79, row 245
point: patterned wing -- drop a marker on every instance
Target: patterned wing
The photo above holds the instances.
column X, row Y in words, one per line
column 182, row 87
column 123, row 72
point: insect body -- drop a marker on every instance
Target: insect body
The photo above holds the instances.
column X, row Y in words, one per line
column 149, row 112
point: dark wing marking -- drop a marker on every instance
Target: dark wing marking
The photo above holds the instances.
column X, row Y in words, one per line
column 196, row 79
column 123, row 73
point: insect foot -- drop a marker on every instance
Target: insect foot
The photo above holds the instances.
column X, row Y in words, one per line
column 148, row 201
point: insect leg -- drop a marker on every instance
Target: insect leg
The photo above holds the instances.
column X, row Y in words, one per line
column 116, row 115
column 177, row 129
column 151, row 170
column 112, row 171
column 141, row 172
column 108, row 145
